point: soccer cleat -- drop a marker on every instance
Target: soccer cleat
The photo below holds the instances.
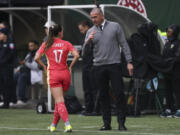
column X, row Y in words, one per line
column 68, row 129
column 177, row 114
column 52, row 128
column 166, row 114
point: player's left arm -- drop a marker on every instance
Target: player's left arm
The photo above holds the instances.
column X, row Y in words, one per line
column 74, row 53
column 75, row 59
column 37, row 58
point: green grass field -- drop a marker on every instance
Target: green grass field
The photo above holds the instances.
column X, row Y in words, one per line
column 27, row 122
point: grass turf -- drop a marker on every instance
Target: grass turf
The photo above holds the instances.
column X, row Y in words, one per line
column 27, row 122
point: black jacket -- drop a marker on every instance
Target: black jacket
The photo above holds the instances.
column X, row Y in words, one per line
column 143, row 44
column 7, row 54
column 87, row 57
column 172, row 51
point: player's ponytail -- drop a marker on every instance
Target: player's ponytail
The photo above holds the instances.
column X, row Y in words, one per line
column 53, row 32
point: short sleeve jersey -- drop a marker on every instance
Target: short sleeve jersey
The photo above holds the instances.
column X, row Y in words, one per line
column 57, row 54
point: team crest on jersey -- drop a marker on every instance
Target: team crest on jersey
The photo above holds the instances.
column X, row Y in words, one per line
column 11, row 46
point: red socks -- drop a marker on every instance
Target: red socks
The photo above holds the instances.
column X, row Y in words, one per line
column 56, row 117
column 63, row 111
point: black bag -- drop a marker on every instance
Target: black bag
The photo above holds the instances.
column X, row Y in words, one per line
column 143, row 44
column 72, row 104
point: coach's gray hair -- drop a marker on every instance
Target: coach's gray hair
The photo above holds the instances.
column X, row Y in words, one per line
column 97, row 10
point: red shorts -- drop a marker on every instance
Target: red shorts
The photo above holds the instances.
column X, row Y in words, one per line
column 60, row 78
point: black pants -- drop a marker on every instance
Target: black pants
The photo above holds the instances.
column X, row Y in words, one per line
column 172, row 89
column 22, row 80
column 89, row 88
column 7, row 85
column 111, row 74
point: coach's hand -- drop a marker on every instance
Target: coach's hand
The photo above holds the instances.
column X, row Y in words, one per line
column 130, row 68
column 91, row 36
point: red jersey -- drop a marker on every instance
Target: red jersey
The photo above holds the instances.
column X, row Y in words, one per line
column 57, row 54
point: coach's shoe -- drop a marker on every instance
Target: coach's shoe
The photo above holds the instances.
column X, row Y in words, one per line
column 105, row 127
column 166, row 114
column 68, row 129
column 177, row 114
column 122, row 124
column 52, row 128
column 122, row 127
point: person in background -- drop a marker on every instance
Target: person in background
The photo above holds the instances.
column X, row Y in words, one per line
column 83, row 27
column 7, row 55
column 106, row 38
column 13, row 98
column 172, row 78
column 88, row 76
column 56, row 51
column 27, row 73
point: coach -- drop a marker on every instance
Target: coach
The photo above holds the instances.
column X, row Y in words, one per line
column 107, row 38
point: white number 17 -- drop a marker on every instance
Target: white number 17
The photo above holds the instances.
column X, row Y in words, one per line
column 58, row 53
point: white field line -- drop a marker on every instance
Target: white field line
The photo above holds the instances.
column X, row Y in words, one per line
column 133, row 126
column 90, row 127
column 139, row 126
column 87, row 131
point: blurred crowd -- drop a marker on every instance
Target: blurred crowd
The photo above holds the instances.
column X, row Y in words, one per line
column 17, row 76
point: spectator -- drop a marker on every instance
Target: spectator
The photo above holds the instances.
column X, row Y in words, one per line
column 88, row 74
column 28, row 73
column 84, row 27
column 7, row 54
column 172, row 78
column 105, row 37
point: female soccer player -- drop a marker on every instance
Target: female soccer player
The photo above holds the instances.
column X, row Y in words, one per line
column 56, row 51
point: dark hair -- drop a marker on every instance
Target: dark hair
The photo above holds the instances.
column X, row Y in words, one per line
column 35, row 42
column 97, row 5
column 84, row 23
column 176, row 30
column 53, row 32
